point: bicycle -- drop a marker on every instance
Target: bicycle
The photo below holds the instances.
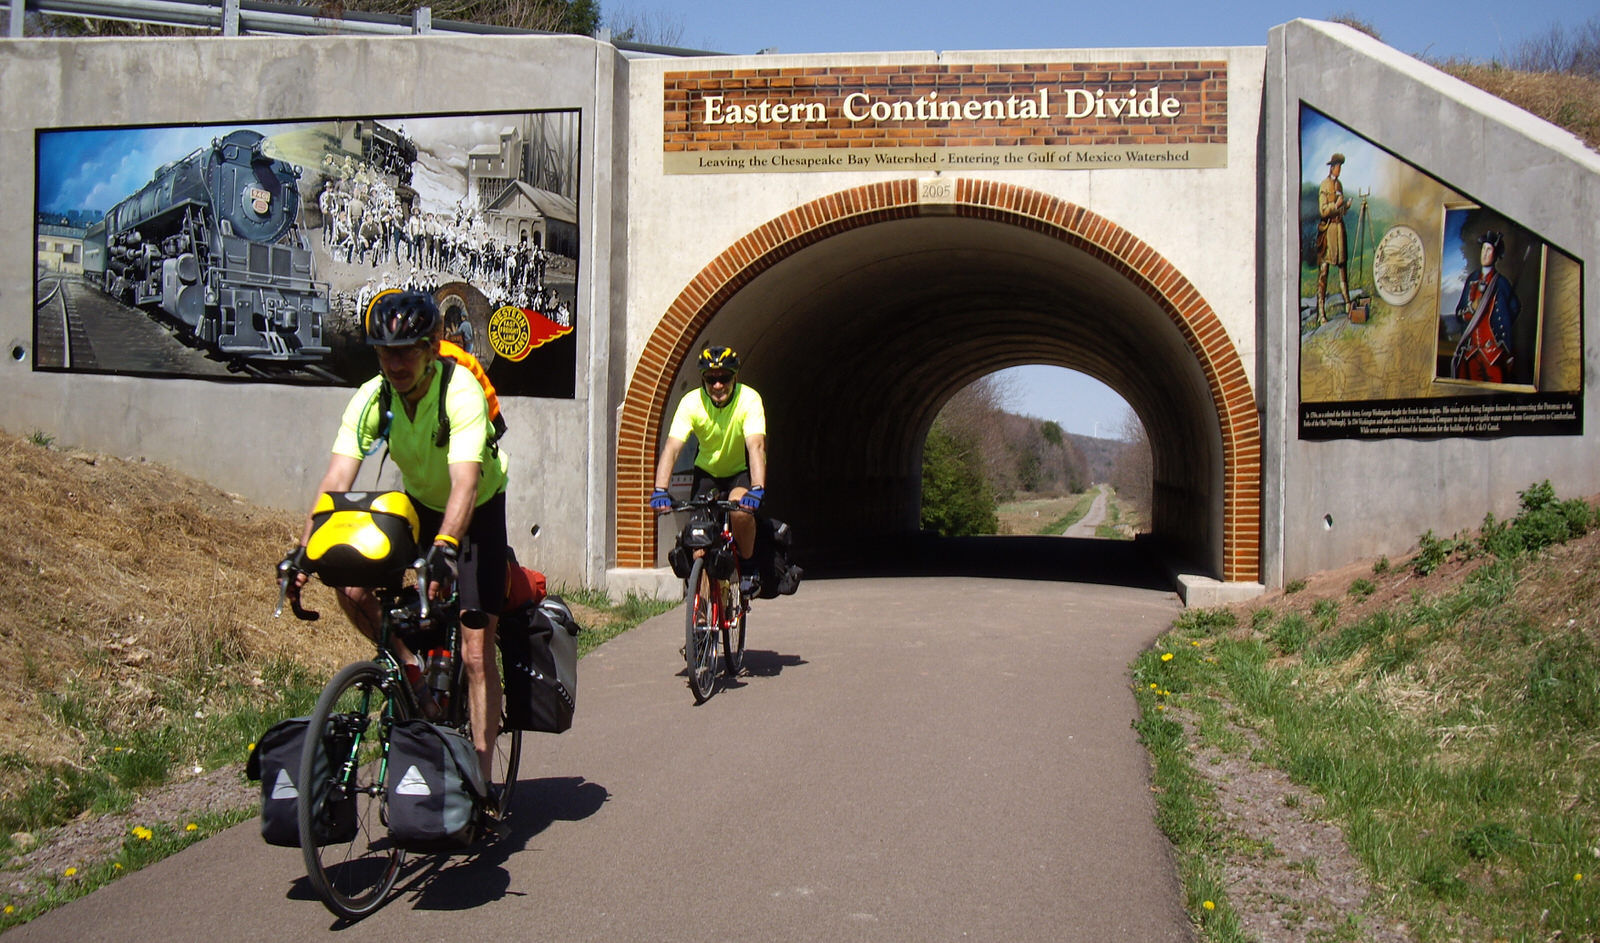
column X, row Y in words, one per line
column 355, row 715
column 715, row 603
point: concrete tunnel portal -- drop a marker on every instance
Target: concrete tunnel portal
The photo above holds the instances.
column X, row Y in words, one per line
column 858, row 328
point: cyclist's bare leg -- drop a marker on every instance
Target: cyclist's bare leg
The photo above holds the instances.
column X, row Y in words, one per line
column 361, row 608
column 743, row 525
column 483, row 690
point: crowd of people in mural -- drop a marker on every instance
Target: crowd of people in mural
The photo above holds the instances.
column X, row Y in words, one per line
column 366, row 223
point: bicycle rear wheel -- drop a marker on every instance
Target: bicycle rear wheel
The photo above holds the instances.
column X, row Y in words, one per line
column 700, row 630
column 503, row 772
column 733, row 634
column 352, row 866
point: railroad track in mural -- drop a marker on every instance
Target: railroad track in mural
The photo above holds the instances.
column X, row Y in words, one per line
column 79, row 328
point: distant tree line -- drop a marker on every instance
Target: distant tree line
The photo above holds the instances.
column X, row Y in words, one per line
column 978, row 455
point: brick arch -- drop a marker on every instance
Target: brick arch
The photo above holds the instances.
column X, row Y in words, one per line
column 764, row 247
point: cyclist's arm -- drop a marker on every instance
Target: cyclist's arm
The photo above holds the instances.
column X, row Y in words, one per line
column 463, row 498
column 340, row 476
column 669, row 458
column 457, row 515
column 755, row 450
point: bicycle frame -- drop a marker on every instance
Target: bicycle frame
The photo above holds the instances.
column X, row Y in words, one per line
column 718, row 611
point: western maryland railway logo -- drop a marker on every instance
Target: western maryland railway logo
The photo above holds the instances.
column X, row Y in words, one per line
column 515, row 332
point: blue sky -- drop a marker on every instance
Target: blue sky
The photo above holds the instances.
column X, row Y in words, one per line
column 94, row 169
column 1464, row 29
column 1477, row 29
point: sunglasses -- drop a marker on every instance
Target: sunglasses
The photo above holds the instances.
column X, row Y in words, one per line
column 715, row 379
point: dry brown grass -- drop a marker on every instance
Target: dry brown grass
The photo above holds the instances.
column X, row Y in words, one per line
column 121, row 571
column 1569, row 101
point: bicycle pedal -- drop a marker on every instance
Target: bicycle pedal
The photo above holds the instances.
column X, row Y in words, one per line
column 496, row 825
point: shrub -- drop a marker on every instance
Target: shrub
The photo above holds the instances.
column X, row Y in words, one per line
column 957, row 500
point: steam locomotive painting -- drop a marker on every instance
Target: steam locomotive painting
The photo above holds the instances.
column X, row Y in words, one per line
column 249, row 251
column 211, row 244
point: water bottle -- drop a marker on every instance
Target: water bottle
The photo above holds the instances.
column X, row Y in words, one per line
column 439, row 672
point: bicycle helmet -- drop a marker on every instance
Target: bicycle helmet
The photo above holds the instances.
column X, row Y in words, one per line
column 719, row 358
column 396, row 318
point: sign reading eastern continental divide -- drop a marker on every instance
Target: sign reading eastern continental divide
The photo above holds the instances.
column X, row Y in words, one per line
column 1019, row 116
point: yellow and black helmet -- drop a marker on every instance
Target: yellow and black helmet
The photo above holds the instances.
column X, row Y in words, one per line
column 719, row 358
column 396, row 318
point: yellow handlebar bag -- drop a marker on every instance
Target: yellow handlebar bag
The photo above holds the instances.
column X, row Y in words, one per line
column 363, row 538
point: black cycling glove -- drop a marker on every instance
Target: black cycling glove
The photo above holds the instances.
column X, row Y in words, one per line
column 443, row 566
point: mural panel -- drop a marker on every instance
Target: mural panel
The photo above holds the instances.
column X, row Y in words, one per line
column 250, row 251
column 1424, row 313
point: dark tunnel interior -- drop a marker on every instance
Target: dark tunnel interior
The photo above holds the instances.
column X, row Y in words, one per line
column 858, row 340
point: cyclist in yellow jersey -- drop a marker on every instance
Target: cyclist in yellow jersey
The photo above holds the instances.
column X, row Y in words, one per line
column 454, row 473
column 728, row 422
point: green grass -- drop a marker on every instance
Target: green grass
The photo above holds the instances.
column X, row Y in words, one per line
column 1111, row 527
column 143, row 846
column 1455, row 743
column 216, row 708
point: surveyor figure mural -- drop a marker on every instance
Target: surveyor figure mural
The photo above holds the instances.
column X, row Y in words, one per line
column 1422, row 312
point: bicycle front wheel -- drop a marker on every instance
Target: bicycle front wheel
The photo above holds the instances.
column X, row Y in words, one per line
column 700, row 630
column 344, row 835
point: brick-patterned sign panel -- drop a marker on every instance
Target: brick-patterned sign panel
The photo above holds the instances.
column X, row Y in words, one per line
column 1023, row 116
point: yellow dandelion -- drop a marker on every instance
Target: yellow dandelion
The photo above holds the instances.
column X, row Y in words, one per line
column 191, row 827
column 71, row 871
column 251, row 747
column 1161, row 707
column 1578, row 876
column 1166, row 656
column 116, row 749
column 116, row 866
column 139, row 831
column 1209, row 905
column 1154, row 686
column 10, row 910
column 1195, row 644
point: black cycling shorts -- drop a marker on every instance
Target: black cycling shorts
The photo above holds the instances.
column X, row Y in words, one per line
column 482, row 579
column 704, row 482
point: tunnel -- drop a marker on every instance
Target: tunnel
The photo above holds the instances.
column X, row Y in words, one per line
column 859, row 316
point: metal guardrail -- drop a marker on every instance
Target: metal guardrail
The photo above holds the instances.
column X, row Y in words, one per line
column 265, row 18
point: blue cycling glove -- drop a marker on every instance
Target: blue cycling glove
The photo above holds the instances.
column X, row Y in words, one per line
column 751, row 499
column 660, row 500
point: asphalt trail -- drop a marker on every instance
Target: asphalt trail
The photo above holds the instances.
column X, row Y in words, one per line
column 906, row 759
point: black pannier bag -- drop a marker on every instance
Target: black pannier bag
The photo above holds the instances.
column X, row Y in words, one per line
column 275, row 762
column 779, row 575
column 681, row 559
column 539, row 661
column 433, row 787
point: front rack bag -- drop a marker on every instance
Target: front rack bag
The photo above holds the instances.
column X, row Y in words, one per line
column 363, row 538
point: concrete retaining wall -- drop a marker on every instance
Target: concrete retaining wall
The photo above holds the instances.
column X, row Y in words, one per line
column 1327, row 503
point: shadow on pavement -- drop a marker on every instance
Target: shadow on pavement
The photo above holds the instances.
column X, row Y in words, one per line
column 478, row 876
column 765, row 664
column 1130, row 563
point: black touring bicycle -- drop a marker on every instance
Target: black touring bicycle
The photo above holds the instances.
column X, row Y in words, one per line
column 391, row 767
